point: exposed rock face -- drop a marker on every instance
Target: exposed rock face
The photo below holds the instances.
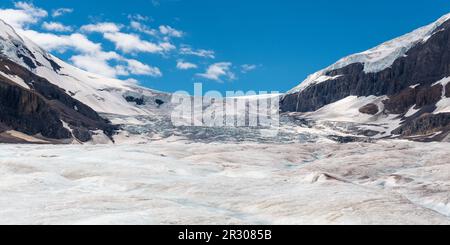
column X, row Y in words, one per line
column 370, row 109
column 159, row 102
column 447, row 90
column 419, row 97
column 138, row 101
column 28, row 112
column 424, row 64
column 425, row 125
column 43, row 108
column 408, row 82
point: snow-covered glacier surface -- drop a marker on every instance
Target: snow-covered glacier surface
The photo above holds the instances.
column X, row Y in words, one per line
column 174, row 181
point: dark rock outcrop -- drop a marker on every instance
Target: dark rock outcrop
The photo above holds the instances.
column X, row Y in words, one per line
column 398, row 103
column 370, row 109
column 138, row 101
column 42, row 108
column 425, row 124
column 27, row 112
column 419, row 97
column 447, row 90
column 159, row 102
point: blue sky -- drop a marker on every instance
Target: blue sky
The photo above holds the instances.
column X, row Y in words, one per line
column 226, row 44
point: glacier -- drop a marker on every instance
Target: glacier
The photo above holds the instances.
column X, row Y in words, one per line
column 175, row 181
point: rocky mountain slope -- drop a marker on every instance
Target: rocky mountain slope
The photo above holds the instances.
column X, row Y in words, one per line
column 43, row 99
column 400, row 88
column 33, row 106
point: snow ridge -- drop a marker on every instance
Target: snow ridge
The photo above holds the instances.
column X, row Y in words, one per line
column 377, row 58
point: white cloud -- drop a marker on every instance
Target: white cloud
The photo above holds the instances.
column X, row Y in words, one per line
column 131, row 43
column 23, row 15
column 187, row 50
column 182, row 65
column 138, row 68
column 88, row 55
column 102, row 27
column 138, row 17
column 99, row 63
column 137, row 26
column 61, row 11
column 56, row 26
column 91, row 56
column 31, row 9
column 246, row 68
column 128, row 42
column 61, row 43
column 171, row 32
column 166, row 46
column 217, row 71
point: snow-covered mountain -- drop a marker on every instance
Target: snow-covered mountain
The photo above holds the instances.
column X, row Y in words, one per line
column 48, row 98
column 399, row 88
column 133, row 112
column 104, row 95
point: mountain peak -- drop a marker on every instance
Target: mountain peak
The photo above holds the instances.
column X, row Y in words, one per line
column 104, row 95
column 379, row 57
column 400, row 86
